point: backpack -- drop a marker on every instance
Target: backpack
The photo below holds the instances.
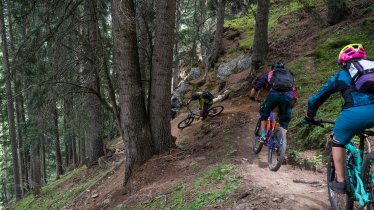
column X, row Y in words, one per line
column 362, row 73
column 207, row 95
column 281, row 80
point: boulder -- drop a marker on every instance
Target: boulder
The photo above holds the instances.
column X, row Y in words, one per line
column 194, row 74
column 236, row 65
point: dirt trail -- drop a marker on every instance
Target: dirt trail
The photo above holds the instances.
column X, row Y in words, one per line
column 200, row 143
column 274, row 189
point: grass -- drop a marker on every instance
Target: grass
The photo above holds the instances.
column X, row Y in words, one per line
column 210, row 187
column 312, row 72
column 55, row 195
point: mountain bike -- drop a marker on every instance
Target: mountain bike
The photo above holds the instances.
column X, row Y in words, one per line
column 359, row 173
column 276, row 140
column 212, row 111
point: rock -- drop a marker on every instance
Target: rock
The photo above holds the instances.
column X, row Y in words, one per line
column 194, row 74
column 236, row 65
column 106, row 201
column 176, row 100
column 242, row 206
column 277, row 200
column 95, row 195
column 244, row 63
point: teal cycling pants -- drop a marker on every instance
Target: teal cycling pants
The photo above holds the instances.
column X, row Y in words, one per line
column 284, row 105
column 353, row 121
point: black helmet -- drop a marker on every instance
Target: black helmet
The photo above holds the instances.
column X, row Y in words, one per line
column 195, row 96
column 277, row 65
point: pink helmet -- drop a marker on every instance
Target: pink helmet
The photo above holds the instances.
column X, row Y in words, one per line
column 350, row 52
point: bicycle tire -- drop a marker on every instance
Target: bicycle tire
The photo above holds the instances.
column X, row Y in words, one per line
column 336, row 198
column 278, row 149
column 216, row 110
column 367, row 177
column 186, row 122
column 256, row 144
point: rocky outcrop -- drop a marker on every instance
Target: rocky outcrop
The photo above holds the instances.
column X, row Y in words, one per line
column 194, row 74
column 236, row 65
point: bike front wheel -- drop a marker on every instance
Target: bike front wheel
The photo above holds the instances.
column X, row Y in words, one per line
column 186, row 122
column 256, row 144
column 338, row 201
column 278, row 151
column 367, row 172
column 216, row 110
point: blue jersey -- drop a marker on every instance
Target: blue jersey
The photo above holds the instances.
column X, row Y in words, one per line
column 341, row 82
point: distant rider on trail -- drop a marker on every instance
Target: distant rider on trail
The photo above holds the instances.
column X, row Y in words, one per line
column 205, row 102
column 282, row 94
column 355, row 82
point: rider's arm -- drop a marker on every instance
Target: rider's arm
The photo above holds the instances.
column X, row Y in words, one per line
column 322, row 95
column 261, row 82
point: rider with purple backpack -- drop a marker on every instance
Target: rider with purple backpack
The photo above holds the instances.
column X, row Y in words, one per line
column 355, row 82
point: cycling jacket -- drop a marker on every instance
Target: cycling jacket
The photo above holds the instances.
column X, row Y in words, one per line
column 341, row 82
column 265, row 80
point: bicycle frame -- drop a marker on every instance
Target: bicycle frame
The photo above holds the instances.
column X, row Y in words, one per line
column 191, row 114
column 270, row 129
column 354, row 171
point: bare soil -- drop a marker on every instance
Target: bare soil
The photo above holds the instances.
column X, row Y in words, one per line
column 200, row 144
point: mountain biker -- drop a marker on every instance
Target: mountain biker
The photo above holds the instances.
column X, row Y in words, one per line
column 282, row 94
column 358, row 110
column 205, row 102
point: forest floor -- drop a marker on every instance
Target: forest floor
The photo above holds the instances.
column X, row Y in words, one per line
column 224, row 142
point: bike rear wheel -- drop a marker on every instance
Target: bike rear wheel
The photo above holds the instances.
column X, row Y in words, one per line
column 256, row 144
column 216, row 110
column 186, row 122
column 367, row 172
column 278, row 151
column 338, row 201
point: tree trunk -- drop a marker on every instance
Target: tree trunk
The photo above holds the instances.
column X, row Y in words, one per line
column 144, row 14
column 43, row 159
column 35, row 169
column 160, row 106
column 260, row 42
column 337, row 11
column 136, row 132
column 11, row 120
column 94, row 109
column 59, row 170
column 218, row 37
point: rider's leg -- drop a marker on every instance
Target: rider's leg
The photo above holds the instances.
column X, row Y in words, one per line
column 338, row 154
column 351, row 121
column 266, row 107
column 284, row 106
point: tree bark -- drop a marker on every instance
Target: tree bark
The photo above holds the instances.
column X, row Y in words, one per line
column 136, row 132
column 160, row 106
column 35, row 181
column 218, row 36
column 94, row 108
column 59, row 170
column 260, row 43
column 11, row 120
column 144, row 14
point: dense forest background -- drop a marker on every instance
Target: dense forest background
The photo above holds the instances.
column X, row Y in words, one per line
column 77, row 73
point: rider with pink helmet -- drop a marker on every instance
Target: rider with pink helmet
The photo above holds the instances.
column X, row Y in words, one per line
column 355, row 82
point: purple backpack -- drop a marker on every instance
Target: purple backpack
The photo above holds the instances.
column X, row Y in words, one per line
column 362, row 73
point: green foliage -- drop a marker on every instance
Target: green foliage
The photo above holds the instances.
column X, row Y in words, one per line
column 204, row 191
column 316, row 160
column 58, row 193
